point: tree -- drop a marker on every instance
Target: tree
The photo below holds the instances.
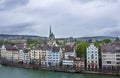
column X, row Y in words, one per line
column 33, row 42
column 81, row 49
column 106, row 41
column 5, row 42
column 30, row 41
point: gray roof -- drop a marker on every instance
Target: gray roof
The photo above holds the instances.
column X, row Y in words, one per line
column 11, row 47
column 107, row 48
column 68, row 48
column 55, row 49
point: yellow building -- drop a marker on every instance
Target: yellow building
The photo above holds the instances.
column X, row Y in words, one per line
column 35, row 55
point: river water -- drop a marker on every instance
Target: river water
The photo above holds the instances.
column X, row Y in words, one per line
column 14, row 72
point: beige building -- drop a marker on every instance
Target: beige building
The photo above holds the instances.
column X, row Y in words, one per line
column 35, row 55
column 9, row 53
column 44, row 56
column 80, row 63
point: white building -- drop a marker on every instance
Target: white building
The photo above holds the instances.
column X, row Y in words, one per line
column 110, row 54
column 54, row 56
column 116, row 44
column 69, row 53
column 24, row 56
column 92, row 56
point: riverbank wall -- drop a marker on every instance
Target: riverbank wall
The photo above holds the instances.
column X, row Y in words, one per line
column 64, row 69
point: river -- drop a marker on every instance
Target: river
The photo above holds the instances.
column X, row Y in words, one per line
column 14, row 72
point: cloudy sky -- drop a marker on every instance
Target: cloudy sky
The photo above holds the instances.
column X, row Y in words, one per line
column 77, row 18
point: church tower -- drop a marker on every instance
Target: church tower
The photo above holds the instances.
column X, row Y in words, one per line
column 51, row 40
column 51, row 35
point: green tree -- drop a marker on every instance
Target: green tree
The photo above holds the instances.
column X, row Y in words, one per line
column 81, row 49
column 30, row 41
column 34, row 42
column 6, row 42
column 106, row 41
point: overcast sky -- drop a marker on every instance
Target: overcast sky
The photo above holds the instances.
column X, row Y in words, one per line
column 77, row 18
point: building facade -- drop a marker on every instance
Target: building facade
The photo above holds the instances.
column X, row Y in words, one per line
column 35, row 55
column 9, row 53
column 54, row 56
column 92, row 57
column 68, row 55
column 80, row 63
column 110, row 54
column 24, row 56
column 44, row 57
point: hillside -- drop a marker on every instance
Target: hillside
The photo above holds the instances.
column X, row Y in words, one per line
column 9, row 37
column 98, row 38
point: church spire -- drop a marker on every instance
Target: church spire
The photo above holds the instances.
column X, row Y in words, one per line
column 51, row 35
column 50, row 30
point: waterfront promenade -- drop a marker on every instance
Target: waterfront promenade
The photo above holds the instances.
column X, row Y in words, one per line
column 16, row 72
column 65, row 69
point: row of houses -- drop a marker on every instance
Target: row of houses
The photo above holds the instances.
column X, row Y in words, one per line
column 64, row 55
column 109, row 56
column 47, row 55
column 53, row 54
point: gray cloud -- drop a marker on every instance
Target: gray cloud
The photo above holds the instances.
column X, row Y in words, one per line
column 83, row 1
column 96, row 0
column 17, row 28
column 67, row 17
column 10, row 4
column 115, row 33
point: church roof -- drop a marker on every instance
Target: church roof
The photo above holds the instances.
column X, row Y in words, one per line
column 51, row 35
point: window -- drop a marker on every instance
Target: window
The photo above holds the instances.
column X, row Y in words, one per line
column 103, row 55
column 92, row 61
column 92, row 56
column 117, row 55
column 118, row 62
column 118, row 59
column 96, row 61
column 108, row 62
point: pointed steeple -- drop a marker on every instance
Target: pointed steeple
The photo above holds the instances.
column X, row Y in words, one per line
column 51, row 35
column 50, row 30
